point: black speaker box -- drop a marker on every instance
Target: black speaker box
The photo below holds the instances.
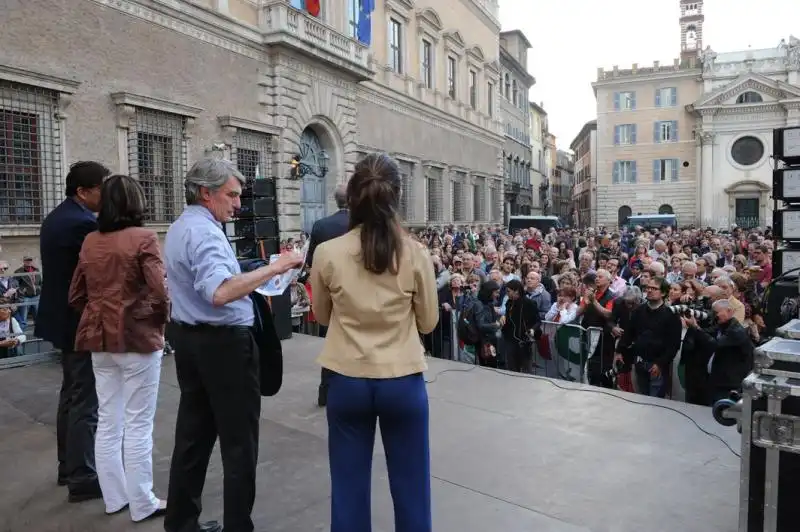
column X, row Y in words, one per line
column 282, row 314
column 259, row 188
column 255, row 228
column 254, row 207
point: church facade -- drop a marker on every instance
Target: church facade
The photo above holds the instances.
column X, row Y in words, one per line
column 746, row 95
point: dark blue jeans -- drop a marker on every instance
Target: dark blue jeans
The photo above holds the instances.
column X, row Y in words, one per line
column 400, row 405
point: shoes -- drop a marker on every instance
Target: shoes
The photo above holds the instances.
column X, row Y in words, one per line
column 209, row 526
column 158, row 512
column 86, row 492
column 118, row 511
column 62, row 481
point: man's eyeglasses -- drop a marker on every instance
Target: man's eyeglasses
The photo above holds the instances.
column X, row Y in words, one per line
column 652, row 288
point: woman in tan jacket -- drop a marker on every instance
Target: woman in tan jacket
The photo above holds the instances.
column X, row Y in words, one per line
column 376, row 290
column 119, row 287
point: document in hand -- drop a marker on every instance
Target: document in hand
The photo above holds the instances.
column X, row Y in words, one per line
column 278, row 284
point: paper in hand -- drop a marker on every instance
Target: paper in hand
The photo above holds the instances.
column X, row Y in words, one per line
column 278, row 284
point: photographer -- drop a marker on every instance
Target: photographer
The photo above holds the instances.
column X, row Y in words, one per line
column 696, row 351
column 732, row 357
column 651, row 340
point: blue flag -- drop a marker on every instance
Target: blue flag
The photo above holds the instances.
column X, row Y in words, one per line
column 364, row 30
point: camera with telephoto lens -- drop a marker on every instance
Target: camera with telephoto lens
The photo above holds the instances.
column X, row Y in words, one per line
column 686, row 311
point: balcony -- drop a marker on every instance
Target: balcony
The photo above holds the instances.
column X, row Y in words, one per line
column 283, row 25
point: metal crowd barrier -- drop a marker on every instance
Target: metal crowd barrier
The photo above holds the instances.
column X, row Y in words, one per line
column 23, row 310
column 564, row 350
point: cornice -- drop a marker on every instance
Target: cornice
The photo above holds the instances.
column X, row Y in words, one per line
column 194, row 21
column 646, row 78
column 38, row 79
column 248, row 125
column 434, row 164
column 405, row 157
column 157, row 104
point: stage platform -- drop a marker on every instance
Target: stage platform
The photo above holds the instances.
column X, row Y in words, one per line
column 508, row 454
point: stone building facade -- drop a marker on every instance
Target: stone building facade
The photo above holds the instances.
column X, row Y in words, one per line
column 516, row 117
column 149, row 86
column 539, row 128
column 584, row 191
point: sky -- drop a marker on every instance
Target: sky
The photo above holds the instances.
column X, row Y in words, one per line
column 572, row 38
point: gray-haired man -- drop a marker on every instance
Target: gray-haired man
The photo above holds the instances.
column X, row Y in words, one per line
column 216, row 357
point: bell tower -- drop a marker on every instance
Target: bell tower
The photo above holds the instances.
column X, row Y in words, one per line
column 691, row 22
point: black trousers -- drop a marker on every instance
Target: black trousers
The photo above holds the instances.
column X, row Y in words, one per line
column 76, row 422
column 519, row 355
column 217, row 369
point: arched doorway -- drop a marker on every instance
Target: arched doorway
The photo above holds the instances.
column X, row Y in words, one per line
column 665, row 209
column 313, row 192
column 623, row 214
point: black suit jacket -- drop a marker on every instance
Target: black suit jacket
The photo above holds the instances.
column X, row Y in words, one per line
column 325, row 229
column 270, row 350
column 60, row 241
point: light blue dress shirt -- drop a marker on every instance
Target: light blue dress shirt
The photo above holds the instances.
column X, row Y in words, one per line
column 199, row 259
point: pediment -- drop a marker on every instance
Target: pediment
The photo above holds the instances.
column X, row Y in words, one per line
column 404, row 7
column 455, row 38
column 770, row 90
column 747, row 185
column 492, row 66
column 431, row 18
column 477, row 53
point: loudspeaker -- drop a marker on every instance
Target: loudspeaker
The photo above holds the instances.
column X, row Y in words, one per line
column 258, row 208
column 282, row 314
column 256, row 228
column 781, row 303
column 259, row 188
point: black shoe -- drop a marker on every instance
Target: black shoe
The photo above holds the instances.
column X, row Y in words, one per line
column 62, row 481
column 85, row 493
column 209, row 526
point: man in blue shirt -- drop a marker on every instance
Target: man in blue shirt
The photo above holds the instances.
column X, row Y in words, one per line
column 216, row 357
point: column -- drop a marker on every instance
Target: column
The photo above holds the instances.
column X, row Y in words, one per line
column 707, row 181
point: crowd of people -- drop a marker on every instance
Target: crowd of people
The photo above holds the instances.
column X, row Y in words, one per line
column 503, row 296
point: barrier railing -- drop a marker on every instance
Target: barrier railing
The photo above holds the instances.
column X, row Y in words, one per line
column 19, row 293
column 564, row 350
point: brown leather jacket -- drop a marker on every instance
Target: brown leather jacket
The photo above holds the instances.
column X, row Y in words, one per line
column 120, row 290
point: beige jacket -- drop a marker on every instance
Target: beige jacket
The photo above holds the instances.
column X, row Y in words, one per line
column 375, row 320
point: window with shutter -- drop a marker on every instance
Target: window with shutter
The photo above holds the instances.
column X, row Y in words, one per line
column 657, row 171
column 675, row 164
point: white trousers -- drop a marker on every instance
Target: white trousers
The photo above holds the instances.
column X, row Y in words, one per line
column 127, row 391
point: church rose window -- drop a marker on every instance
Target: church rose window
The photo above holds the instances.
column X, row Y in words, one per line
column 747, row 151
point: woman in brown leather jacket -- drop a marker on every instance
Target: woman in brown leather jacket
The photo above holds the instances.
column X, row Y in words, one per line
column 119, row 288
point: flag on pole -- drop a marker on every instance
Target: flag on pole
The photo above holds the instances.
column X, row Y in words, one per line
column 313, row 7
column 364, row 29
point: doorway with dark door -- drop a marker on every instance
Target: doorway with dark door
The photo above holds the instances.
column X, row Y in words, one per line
column 747, row 215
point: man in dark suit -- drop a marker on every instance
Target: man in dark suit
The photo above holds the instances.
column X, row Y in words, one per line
column 61, row 238
column 325, row 229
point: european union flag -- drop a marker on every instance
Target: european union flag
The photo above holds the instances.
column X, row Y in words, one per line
column 364, row 29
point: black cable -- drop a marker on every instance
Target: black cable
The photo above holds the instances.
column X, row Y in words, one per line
column 588, row 390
